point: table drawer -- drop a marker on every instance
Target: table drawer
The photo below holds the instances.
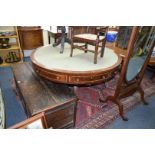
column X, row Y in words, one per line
column 90, row 78
column 54, row 76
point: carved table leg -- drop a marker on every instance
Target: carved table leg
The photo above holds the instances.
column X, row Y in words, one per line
column 121, row 111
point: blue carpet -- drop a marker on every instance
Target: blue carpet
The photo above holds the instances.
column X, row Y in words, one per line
column 13, row 107
column 141, row 117
column 27, row 59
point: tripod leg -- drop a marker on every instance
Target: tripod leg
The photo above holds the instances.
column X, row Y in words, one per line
column 121, row 111
column 119, row 104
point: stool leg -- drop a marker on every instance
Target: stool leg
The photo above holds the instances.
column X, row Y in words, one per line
column 103, row 47
column 95, row 54
column 86, row 47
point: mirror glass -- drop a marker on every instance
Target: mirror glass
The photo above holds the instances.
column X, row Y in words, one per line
column 142, row 47
column 35, row 125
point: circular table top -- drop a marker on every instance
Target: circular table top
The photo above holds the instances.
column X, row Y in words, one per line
column 51, row 64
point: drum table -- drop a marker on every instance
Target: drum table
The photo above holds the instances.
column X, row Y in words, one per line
column 57, row 100
column 58, row 67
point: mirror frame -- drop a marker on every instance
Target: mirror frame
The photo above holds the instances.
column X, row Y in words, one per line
column 131, row 56
column 124, row 88
column 31, row 120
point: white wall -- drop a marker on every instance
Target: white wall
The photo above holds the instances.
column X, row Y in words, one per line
column 45, row 37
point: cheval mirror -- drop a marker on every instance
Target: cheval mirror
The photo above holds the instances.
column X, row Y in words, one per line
column 139, row 49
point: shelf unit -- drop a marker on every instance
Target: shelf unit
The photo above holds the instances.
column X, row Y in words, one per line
column 10, row 32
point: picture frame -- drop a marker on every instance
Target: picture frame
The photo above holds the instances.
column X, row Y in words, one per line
column 36, row 122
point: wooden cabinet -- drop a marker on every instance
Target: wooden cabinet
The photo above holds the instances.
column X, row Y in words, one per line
column 31, row 37
column 10, row 49
column 57, row 101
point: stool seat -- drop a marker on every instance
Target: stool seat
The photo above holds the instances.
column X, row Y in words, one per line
column 89, row 36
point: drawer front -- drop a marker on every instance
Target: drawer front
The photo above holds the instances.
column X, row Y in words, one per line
column 90, row 78
column 54, row 76
column 75, row 78
column 61, row 117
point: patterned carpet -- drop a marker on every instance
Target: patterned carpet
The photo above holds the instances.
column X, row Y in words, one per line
column 92, row 114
